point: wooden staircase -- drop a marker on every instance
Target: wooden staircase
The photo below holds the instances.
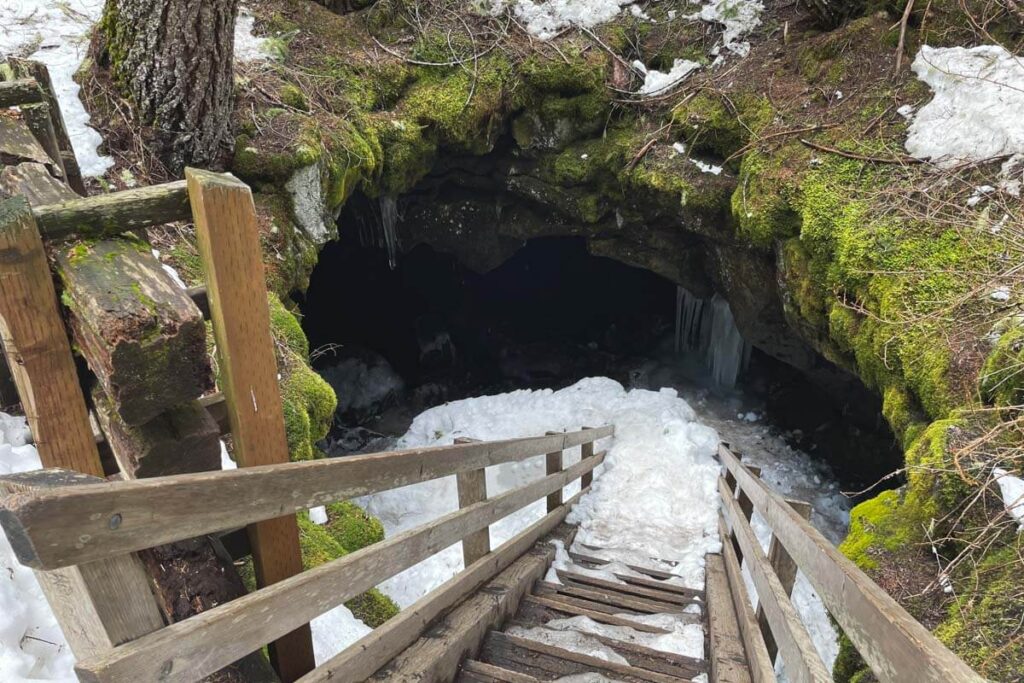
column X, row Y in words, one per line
column 509, row 658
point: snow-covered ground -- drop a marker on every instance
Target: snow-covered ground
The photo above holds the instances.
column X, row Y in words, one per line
column 57, row 34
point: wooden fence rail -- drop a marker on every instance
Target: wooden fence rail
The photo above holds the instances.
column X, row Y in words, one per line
column 895, row 646
column 51, row 528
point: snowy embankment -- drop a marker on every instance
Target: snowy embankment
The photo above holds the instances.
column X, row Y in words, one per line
column 57, row 34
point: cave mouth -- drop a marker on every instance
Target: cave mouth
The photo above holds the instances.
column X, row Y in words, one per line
column 398, row 331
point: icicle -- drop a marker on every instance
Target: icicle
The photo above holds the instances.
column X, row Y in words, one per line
column 709, row 329
column 389, row 222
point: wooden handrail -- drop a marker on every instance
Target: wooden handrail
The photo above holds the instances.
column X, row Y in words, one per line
column 58, row 528
column 202, row 644
column 894, row 644
column 107, row 215
column 20, row 91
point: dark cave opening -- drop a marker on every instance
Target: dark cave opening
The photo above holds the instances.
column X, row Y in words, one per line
column 394, row 341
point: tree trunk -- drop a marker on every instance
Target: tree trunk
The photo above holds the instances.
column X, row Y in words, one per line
column 173, row 59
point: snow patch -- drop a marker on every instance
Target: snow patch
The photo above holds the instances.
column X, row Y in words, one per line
column 1012, row 489
column 573, row 641
column 739, row 17
column 976, row 111
column 657, row 82
column 547, row 19
column 334, row 631
column 248, row 46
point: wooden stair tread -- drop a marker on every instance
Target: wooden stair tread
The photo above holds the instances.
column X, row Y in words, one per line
column 672, row 597
column 473, row 671
column 542, row 606
column 642, row 657
column 619, row 602
column 547, row 662
column 598, row 561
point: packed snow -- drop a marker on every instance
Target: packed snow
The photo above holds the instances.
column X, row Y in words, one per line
column 975, row 113
column 658, row 82
column 1012, row 490
column 738, row 17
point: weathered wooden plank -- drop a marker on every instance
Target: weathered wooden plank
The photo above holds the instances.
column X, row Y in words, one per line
column 210, row 640
column 228, row 240
column 894, row 644
column 637, row 655
column 40, row 122
column 472, row 488
column 586, row 451
column 487, row 673
column 17, row 144
column 373, row 651
column 19, row 91
column 662, row 586
column 502, row 646
column 757, row 657
column 34, row 182
column 109, row 215
column 37, row 348
column 563, row 608
column 619, row 601
column 161, row 510
column 803, row 664
column 637, row 590
column 183, row 439
column 37, row 71
column 552, row 464
column 728, row 661
column 649, row 571
column 785, row 568
column 100, row 604
column 139, row 331
column 437, row 657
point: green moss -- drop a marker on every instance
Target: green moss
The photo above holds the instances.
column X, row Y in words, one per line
column 406, row 153
column 319, row 546
column 711, row 124
column 934, row 486
column 763, row 201
column 253, row 164
column 308, row 401
column 983, row 626
column 1002, row 382
column 875, row 525
column 294, row 97
column 902, row 413
column 352, row 527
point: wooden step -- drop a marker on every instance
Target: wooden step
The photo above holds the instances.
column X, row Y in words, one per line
column 640, row 656
column 619, row 602
column 548, row 607
column 598, row 561
column 473, row 671
column 547, row 663
column 658, row 594
column 728, row 659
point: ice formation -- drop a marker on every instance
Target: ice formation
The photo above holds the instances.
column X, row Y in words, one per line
column 709, row 329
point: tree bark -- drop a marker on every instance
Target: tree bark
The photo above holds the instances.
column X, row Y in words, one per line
column 173, row 59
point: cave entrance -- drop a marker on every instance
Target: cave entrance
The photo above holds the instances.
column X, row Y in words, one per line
column 396, row 333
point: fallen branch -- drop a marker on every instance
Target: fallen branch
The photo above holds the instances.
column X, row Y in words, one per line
column 860, row 157
column 807, row 129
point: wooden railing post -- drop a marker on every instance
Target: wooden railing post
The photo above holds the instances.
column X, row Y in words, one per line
column 229, row 245
column 554, row 466
column 472, row 485
column 586, row 451
column 36, row 345
column 785, row 568
column 100, row 604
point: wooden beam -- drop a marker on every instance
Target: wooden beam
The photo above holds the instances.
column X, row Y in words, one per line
column 34, row 182
column 638, row 591
column 109, row 215
column 562, row 605
column 472, row 488
column 553, row 464
column 480, row 671
column 139, row 331
column 785, row 568
column 728, row 660
column 759, row 663
column 40, row 122
column 803, row 664
column 37, row 71
column 161, row 510
column 204, row 643
column 98, row 605
column 365, row 656
column 19, row 91
column 229, row 245
column 18, row 144
column 586, row 451
column 895, row 645
column 37, row 348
